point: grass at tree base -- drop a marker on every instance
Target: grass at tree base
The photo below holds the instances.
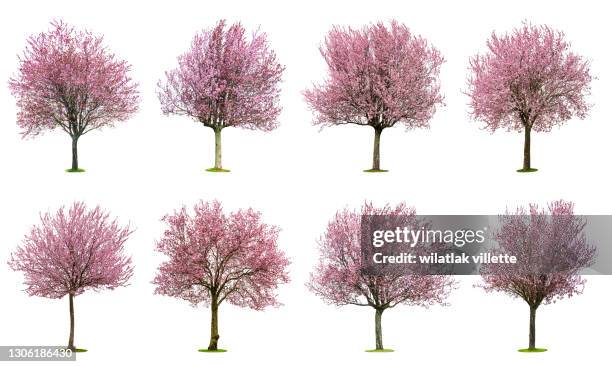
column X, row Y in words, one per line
column 375, row 170
column 379, row 350
column 217, row 170
column 212, row 350
column 532, row 350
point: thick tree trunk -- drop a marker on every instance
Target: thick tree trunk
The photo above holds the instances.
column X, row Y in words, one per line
column 378, row 328
column 75, row 157
column 214, row 325
column 527, row 149
column 218, row 148
column 532, row 326
column 71, row 337
column 376, row 153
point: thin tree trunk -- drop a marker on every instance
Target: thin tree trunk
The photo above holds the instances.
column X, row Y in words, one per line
column 218, row 148
column 71, row 337
column 378, row 328
column 214, row 325
column 527, row 148
column 532, row 326
column 75, row 157
column 376, row 153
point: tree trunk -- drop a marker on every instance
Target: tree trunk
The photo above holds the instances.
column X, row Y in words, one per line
column 378, row 328
column 376, row 153
column 532, row 326
column 218, row 148
column 214, row 325
column 75, row 158
column 71, row 337
column 527, row 149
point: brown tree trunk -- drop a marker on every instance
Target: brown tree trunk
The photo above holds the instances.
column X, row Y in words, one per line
column 71, row 337
column 376, row 153
column 527, row 149
column 214, row 325
column 75, row 158
column 532, row 326
column 218, row 148
column 378, row 328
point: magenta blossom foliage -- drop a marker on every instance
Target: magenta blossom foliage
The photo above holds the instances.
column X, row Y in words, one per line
column 228, row 256
column 68, row 79
column 528, row 80
column 529, row 76
column 215, row 257
column 377, row 76
column 338, row 277
column 225, row 79
column 73, row 250
column 339, row 280
column 551, row 249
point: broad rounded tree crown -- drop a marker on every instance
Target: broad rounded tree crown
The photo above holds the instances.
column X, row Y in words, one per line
column 378, row 75
column 68, row 79
column 529, row 77
column 225, row 79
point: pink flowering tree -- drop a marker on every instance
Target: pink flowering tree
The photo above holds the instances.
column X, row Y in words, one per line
column 551, row 250
column 225, row 79
column 69, row 80
column 378, row 76
column 215, row 257
column 339, row 277
column 528, row 80
column 71, row 251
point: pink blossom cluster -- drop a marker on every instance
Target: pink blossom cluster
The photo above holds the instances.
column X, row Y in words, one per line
column 528, row 78
column 551, row 249
column 225, row 79
column 73, row 250
column 377, row 76
column 68, row 79
column 339, row 277
column 214, row 255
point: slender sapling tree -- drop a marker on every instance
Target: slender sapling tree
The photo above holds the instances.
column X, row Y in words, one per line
column 71, row 251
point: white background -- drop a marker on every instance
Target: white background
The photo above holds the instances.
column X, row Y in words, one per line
column 298, row 177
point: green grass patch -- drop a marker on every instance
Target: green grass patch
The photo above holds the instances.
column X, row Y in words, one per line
column 212, row 350
column 217, row 170
column 375, row 170
column 523, row 170
column 379, row 350
column 78, row 170
column 532, row 350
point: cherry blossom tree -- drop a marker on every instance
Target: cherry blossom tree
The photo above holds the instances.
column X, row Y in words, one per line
column 528, row 80
column 225, row 79
column 551, row 249
column 378, row 76
column 339, row 277
column 215, row 257
column 69, row 80
column 71, row 251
